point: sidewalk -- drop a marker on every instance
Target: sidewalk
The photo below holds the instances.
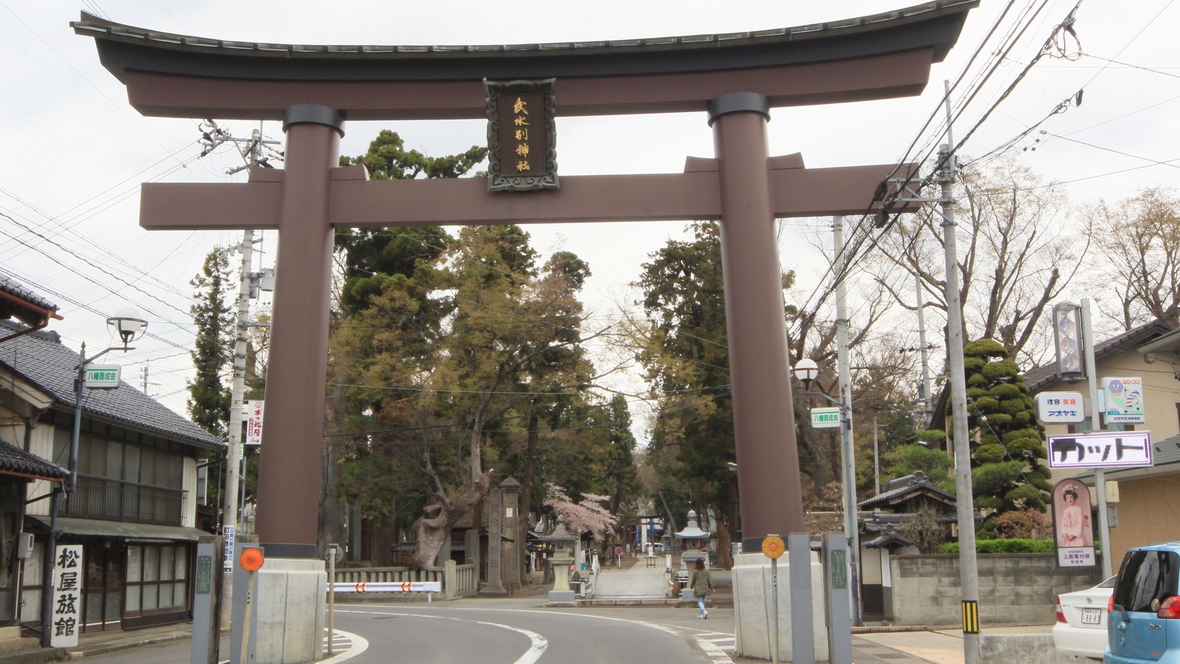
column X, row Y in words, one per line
column 941, row 646
column 97, row 643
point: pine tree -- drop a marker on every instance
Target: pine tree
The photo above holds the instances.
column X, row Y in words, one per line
column 1008, row 443
column 209, row 400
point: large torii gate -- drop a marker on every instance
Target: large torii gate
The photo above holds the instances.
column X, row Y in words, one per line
column 736, row 78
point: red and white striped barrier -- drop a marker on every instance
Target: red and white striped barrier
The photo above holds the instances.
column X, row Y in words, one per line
column 389, row 587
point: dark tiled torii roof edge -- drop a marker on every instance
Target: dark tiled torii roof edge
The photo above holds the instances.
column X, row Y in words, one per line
column 43, row 361
column 15, row 460
column 902, row 29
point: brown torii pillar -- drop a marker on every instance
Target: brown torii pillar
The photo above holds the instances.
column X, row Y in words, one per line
column 736, row 77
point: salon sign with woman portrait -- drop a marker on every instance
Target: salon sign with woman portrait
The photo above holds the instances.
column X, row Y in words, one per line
column 1072, row 526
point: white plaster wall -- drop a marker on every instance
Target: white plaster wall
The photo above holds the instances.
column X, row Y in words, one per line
column 40, row 444
column 870, row 566
column 188, row 482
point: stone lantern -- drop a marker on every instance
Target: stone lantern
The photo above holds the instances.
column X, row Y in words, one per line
column 562, row 558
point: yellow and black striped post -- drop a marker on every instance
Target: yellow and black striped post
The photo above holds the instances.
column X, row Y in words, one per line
column 970, row 617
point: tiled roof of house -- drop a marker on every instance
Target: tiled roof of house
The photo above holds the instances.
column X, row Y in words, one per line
column 41, row 359
column 15, row 460
column 17, row 301
column 905, row 488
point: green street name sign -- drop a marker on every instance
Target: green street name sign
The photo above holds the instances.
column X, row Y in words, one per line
column 825, row 418
column 103, row 376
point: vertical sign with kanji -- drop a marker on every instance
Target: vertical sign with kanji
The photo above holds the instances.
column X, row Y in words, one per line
column 67, row 596
column 522, row 135
column 254, row 421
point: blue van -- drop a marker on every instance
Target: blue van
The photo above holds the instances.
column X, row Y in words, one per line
column 1143, row 624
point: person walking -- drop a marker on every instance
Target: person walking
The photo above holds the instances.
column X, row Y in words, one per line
column 702, row 586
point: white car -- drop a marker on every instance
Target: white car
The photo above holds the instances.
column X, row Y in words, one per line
column 1081, row 621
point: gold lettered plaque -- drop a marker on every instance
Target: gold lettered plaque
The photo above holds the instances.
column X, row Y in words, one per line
column 522, row 135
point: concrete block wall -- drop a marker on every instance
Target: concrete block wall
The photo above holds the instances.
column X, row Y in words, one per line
column 1014, row 589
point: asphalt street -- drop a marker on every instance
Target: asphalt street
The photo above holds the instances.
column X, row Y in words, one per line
column 522, row 631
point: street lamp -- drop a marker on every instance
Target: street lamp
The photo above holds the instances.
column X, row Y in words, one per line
column 129, row 326
column 806, row 370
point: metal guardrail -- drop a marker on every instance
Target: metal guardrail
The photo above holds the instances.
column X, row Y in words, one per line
column 454, row 580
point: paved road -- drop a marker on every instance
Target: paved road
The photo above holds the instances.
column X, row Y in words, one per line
column 522, row 631
column 507, row 634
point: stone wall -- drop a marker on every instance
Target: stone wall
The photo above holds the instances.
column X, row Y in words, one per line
column 1014, row 588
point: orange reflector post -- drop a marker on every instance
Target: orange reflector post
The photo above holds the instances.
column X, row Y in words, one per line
column 251, row 559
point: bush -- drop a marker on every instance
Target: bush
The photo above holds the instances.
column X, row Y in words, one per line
column 1024, row 524
column 1004, row 546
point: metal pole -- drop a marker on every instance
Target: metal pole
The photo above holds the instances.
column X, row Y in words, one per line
column 774, row 610
column 331, row 596
column 845, row 378
column 968, row 567
column 1096, row 425
column 876, row 459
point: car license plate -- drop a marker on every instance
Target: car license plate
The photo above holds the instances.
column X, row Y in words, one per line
column 1091, row 616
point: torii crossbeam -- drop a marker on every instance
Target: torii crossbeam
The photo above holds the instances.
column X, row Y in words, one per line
column 736, row 78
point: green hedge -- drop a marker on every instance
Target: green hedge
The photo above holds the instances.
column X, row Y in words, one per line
column 1004, row 546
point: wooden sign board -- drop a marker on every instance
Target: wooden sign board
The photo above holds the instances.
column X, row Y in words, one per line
column 522, row 135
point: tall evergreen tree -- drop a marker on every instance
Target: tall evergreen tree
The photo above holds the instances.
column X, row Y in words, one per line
column 209, row 398
column 1008, row 443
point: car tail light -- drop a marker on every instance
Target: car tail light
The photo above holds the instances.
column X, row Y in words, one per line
column 1110, row 604
column 1060, row 614
column 1170, row 609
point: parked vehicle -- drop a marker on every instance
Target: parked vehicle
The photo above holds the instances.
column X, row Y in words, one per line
column 1143, row 624
column 1081, row 621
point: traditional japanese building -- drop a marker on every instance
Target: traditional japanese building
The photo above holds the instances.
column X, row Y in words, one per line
column 134, row 508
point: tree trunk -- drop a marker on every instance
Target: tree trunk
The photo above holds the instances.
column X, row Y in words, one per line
column 434, row 528
column 724, row 559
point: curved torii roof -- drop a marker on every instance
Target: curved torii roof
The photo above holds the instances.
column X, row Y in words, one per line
column 871, row 57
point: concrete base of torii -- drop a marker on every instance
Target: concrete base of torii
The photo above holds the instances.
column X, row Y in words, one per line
column 287, row 619
column 753, row 589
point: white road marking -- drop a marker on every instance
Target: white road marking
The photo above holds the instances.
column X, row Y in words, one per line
column 712, row 651
column 358, row 646
column 537, row 648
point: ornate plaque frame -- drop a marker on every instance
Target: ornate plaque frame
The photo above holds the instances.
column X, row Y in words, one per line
column 517, row 164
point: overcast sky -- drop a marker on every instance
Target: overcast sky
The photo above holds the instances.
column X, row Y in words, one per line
column 74, row 152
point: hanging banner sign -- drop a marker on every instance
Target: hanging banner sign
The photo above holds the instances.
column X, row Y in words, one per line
column 1072, row 527
column 522, row 135
column 1124, row 400
column 67, row 596
column 1106, row 449
column 1059, row 407
column 254, row 421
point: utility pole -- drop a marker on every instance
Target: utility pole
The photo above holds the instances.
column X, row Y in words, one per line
column 251, row 150
column 968, row 563
column 845, row 379
column 876, row 460
column 925, row 350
